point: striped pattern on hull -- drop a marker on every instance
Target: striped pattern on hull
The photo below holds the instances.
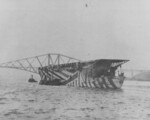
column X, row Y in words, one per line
column 94, row 74
column 80, row 79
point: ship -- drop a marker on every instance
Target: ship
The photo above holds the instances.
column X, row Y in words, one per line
column 100, row 73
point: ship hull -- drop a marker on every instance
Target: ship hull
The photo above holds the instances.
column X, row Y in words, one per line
column 102, row 82
column 96, row 74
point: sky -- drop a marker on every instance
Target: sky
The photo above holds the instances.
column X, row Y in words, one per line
column 83, row 29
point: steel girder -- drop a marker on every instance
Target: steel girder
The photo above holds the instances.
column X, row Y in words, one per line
column 32, row 64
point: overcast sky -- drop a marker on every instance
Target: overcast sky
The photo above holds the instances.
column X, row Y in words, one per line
column 84, row 29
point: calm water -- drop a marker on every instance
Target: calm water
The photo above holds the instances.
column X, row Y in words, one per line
column 34, row 102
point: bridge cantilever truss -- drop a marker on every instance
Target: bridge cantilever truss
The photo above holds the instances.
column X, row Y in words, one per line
column 132, row 72
column 32, row 64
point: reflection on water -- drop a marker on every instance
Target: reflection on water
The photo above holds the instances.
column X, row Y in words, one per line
column 32, row 101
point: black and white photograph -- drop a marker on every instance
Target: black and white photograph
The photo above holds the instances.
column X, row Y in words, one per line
column 74, row 59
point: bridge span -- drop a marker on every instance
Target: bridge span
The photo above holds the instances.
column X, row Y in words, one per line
column 32, row 64
column 130, row 73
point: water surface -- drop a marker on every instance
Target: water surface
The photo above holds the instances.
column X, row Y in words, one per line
column 25, row 101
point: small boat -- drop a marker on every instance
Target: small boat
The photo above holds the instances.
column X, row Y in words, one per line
column 32, row 79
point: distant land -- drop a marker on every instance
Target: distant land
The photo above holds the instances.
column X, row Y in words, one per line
column 141, row 77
